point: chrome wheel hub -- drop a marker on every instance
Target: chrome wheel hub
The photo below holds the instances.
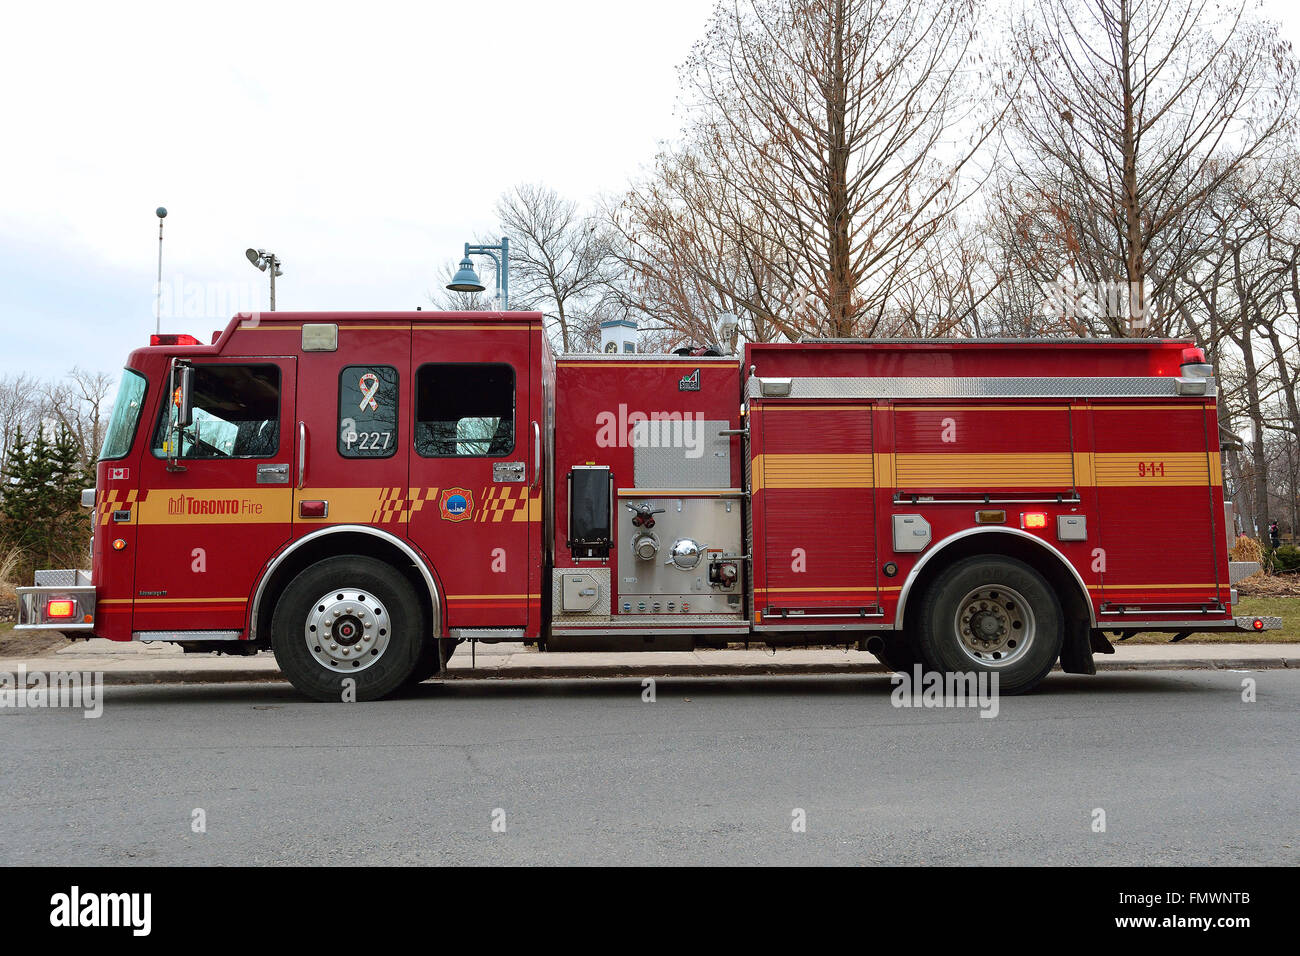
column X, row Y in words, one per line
column 994, row 625
column 347, row 630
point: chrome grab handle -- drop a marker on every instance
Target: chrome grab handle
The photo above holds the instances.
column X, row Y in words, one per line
column 302, row 453
column 537, row 454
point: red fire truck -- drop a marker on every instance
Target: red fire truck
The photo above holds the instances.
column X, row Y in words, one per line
column 361, row 492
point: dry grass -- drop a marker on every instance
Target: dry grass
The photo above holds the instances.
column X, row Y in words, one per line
column 1260, row 584
column 1247, row 549
column 11, row 560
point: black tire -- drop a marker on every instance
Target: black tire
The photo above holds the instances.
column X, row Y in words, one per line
column 429, row 664
column 394, row 612
column 1015, row 629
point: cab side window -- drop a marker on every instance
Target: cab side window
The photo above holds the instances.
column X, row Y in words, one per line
column 367, row 424
column 465, row 410
column 236, row 412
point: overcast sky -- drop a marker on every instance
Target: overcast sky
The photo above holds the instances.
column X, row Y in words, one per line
column 361, row 143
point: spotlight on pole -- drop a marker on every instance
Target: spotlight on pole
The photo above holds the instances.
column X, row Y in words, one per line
column 264, row 260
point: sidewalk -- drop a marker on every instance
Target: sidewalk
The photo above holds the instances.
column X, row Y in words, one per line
column 123, row 663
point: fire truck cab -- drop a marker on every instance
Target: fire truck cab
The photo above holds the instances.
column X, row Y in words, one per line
column 361, row 492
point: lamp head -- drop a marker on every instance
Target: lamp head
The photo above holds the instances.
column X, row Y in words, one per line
column 465, row 279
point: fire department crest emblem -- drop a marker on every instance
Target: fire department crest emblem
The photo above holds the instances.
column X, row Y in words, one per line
column 456, row 504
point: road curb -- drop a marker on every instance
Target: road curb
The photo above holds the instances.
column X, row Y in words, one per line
column 262, row 675
column 1214, row 663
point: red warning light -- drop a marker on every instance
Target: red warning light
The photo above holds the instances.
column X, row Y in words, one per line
column 60, row 609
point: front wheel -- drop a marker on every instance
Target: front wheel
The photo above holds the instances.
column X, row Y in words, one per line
column 347, row 619
column 992, row 615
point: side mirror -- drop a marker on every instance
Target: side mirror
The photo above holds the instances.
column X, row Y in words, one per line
column 181, row 412
column 183, row 394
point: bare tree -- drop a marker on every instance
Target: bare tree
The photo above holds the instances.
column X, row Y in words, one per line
column 693, row 247
column 1133, row 113
column 560, row 259
column 19, row 409
column 80, row 402
column 810, row 181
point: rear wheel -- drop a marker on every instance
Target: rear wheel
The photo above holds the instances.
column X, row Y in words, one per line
column 992, row 615
column 343, row 619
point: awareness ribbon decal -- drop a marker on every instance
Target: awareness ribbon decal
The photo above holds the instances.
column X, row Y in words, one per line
column 368, row 391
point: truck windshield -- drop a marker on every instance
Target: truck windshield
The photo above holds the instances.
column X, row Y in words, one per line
column 126, row 416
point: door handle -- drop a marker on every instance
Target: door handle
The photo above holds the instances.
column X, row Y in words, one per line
column 302, row 453
column 537, row 453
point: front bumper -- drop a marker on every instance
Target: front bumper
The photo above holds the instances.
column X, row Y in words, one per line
column 34, row 603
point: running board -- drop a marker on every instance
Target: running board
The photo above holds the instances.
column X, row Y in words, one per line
column 149, row 636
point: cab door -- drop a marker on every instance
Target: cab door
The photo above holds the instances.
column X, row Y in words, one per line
column 354, row 426
column 474, row 466
column 211, row 518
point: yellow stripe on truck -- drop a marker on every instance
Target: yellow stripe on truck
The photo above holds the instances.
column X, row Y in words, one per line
column 968, row 471
column 956, row 470
column 1155, row 468
column 215, row 506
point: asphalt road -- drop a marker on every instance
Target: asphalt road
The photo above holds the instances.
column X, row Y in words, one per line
column 712, row 772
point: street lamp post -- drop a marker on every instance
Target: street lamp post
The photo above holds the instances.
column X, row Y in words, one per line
column 263, row 259
column 467, row 280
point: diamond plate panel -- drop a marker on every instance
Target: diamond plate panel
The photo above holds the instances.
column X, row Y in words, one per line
column 1043, row 340
column 689, row 455
column 637, row 621
column 601, row 610
column 1247, row 623
column 185, row 635
column 62, row 578
column 904, row 388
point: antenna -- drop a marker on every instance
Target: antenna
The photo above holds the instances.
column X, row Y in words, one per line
column 161, row 213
